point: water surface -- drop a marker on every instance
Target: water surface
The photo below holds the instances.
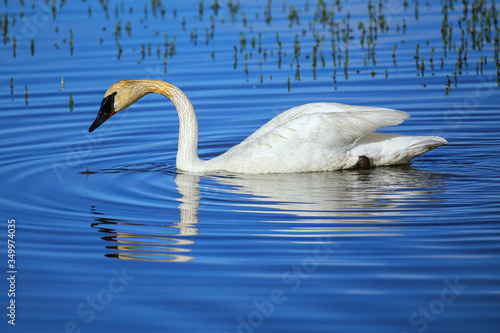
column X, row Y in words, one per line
column 110, row 237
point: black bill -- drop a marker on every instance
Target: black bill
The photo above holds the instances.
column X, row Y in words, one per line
column 105, row 112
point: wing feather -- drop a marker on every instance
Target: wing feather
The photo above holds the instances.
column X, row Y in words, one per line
column 396, row 117
column 305, row 138
column 330, row 130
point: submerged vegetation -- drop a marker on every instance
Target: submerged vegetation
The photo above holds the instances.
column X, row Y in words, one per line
column 313, row 37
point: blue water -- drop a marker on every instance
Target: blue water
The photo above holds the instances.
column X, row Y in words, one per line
column 110, row 237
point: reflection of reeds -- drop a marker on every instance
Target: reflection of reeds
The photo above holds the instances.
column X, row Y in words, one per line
column 71, row 102
column 71, row 41
column 370, row 32
column 468, row 30
column 5, row 27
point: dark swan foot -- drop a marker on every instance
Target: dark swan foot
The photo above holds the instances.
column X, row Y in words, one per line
column 363, row 162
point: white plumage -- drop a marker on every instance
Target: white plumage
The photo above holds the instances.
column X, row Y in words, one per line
column 310, row 137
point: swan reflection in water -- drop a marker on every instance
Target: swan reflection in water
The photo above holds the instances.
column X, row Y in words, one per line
column 160, row 246
column 313, row 208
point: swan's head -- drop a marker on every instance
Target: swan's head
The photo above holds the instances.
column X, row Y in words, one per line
column 119, row 96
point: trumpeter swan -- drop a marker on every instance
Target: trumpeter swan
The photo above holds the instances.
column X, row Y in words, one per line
column 310, row 137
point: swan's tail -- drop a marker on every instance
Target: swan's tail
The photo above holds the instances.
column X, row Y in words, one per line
column 422, row 144
column 393, row 149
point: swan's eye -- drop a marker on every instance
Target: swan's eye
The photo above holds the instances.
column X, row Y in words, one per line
column 108, row 99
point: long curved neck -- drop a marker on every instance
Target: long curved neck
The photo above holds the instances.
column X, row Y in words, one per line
column 187, row 151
